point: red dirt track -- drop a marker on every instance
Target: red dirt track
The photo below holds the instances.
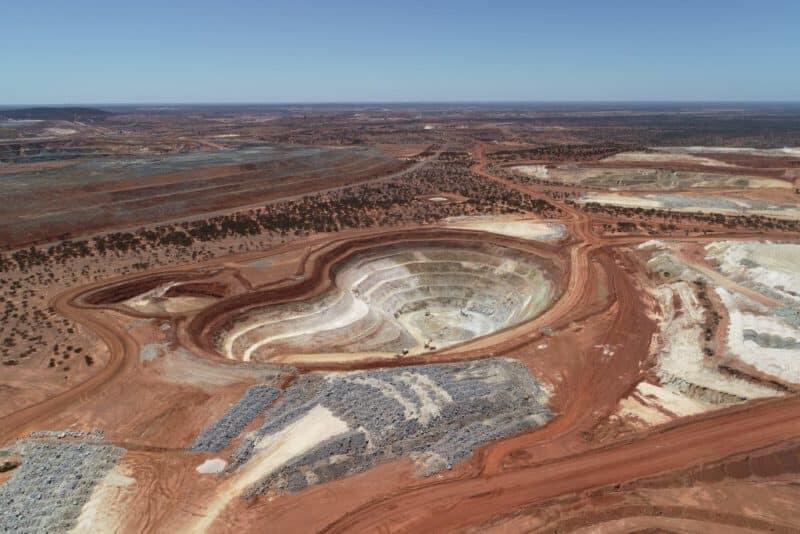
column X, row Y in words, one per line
column 698, row 442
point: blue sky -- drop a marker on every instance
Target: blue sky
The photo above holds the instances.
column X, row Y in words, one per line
column 87, row 51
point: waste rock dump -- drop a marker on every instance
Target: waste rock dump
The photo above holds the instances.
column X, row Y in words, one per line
column 329, row 425
column 56, row 478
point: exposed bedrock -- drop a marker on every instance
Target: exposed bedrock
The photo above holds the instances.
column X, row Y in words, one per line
column 399, row 299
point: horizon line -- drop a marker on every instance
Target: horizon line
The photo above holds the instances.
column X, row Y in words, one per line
column 388, row 102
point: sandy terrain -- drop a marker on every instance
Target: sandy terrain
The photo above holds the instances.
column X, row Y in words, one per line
column 126, row 192
column 524, row 229
column 103, row 508
column 772, row 152
column 488, row 357
column 659, row 157
column 272, row 452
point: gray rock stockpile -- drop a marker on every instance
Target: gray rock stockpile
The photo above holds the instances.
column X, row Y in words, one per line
column 770, row 341
column 56, row 478
column 437, row 414
column 217, row 436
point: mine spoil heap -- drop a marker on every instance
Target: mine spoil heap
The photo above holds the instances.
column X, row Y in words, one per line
column 437, row 414
column 58, row 473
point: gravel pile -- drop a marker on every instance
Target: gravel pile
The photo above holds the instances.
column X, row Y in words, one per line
column 217, row 436
column 790, row 315
column 436, row 414
column 56, row 478
column 771, row 341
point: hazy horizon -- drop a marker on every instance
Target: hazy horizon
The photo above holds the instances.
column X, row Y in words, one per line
column 370, row 52
column 531, row 103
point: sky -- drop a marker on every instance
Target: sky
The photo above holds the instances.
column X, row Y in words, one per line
column 113, row 51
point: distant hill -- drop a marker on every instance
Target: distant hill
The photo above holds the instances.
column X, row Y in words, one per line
column 55, row 113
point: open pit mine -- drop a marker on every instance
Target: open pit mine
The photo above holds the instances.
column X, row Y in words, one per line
column 479, row 321
column 398, row 301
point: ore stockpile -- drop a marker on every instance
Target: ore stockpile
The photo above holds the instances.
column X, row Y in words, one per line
column 437, row 414
column 58, row 473
column 217, row 436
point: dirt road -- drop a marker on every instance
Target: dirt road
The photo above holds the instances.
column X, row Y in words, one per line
column 463, row 503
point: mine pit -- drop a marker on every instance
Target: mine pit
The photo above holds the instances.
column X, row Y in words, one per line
column 694, row 372
column 765, row 337
column 159, row 295
column 159, row 301
column 399, row 300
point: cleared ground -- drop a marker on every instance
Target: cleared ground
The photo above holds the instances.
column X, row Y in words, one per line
column 696, row 204
column 124, row 192
column 512, row 227
column 644, row 178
